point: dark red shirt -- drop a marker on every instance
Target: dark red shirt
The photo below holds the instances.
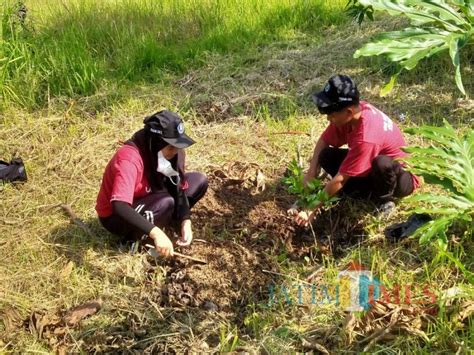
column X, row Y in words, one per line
column 374, row 134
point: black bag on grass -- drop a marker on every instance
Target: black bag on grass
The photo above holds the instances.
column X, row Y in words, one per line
column 399, row 231
column 13, row 171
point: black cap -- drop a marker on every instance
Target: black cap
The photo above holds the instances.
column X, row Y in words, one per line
column 169, row 127
column 339, row 92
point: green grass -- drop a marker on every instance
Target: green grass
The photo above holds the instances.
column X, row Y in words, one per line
column 74, row 48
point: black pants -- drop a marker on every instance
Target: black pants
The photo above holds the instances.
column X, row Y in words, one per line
column 157, row 207
column 386, row 181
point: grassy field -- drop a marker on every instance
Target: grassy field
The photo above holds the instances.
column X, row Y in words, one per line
column 78, row 80
column 82, row 47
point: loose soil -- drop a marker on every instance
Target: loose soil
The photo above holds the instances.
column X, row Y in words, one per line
column 231, row 278
column 244, row 230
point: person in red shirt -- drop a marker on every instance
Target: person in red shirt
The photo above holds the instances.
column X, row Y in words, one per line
column 369, row 167
column 145, row 187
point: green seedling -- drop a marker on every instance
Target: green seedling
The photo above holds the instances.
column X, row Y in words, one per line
column 309, row 196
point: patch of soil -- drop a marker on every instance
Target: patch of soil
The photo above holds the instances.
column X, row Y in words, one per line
column 261, row 222
column 257, row 221
column 256, row 225
column 339, row 228
column 231, row 278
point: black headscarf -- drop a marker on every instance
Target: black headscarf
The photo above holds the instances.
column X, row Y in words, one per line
column 149, row 144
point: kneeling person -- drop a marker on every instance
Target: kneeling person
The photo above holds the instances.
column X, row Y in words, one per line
column 145, row 187
column 369, row 168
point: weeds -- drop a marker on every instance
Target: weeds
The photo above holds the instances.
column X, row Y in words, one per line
column 228, row 340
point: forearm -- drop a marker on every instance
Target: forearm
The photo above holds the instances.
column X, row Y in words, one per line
column 127, row 213
column 335, row 185
column 183, row 208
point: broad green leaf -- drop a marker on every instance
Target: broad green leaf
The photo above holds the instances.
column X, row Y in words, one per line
column 457, row 179
column 434, row 210
column 458, row 202
column 436, row 26
column 454, row 53
column 444, row 135
column 456, row 165
column 409, row 50
column 467, row 7
column 444, row 11
column 413, row 32
column 403, row 45
column 413, row 9
column 458, row 153
column 445, row 183
column 433, row 229
column 422, row 53
column 448, row 162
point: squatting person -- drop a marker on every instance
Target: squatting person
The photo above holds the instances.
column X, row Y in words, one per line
column 145, row 187
column 369, row 167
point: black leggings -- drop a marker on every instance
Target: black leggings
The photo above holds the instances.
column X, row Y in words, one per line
column 386, row 181
column 158, row 208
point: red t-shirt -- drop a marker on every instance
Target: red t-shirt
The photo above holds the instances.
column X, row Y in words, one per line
column 375, row 134
column 124, row 180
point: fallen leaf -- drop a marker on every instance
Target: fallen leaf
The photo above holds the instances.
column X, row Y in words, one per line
column 78, row 313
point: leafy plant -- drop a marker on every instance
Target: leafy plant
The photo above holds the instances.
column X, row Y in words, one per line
column 358, row 11
column 309, row 196
column 448, row 163
column 436, row 26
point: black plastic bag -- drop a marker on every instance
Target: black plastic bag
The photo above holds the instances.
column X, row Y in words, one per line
column 399, row 231
column 13, row 171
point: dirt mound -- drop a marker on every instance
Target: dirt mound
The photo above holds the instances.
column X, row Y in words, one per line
column 231, row 277
column 241, row 226
column 261, row 222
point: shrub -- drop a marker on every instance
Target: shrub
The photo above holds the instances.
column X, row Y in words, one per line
column 448, row 163
column 436, row 26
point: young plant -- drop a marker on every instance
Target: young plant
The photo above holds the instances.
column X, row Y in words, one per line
column 309, row 196
column 436, row 26
column 228, row 339
column 358, row 11
column 448, row 163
